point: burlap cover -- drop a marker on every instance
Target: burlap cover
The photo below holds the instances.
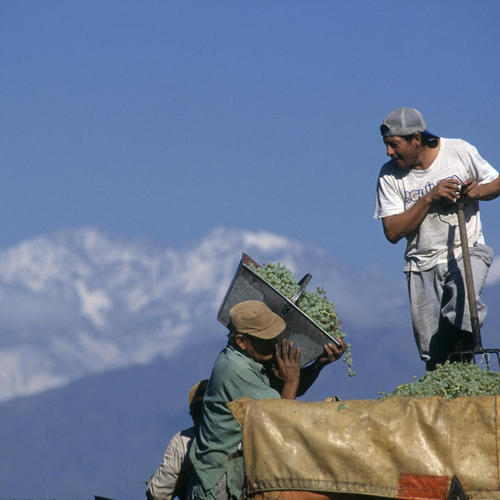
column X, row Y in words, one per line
column 393, row 448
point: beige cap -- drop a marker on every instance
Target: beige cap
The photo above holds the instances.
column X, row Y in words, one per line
column 197, row 392
column 256, row 319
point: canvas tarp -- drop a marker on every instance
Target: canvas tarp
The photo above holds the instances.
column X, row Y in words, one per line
column 393, row 448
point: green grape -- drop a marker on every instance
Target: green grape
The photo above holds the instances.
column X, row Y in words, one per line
column 451, row 380
column 316, row 304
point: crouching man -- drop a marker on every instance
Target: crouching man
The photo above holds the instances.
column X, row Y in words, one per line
column 251, row 365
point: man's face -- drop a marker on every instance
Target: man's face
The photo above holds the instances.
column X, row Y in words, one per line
column 260, row 350
column 405, row 154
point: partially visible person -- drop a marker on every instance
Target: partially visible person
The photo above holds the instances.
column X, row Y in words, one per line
column 416, row 199
column 172, row 476
column 246, row 367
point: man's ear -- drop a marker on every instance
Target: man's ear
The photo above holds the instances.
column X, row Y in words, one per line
column 418, row 137
column 241, row 342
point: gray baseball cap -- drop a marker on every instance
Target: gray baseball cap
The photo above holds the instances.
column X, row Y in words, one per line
column 404, row 121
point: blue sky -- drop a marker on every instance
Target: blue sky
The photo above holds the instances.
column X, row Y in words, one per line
column 161, row 120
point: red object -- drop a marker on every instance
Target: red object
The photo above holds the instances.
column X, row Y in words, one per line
column 418, row 487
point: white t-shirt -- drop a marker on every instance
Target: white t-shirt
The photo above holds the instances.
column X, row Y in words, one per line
column 437, row 239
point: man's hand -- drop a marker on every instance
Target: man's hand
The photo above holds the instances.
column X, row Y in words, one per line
column 447, row 189
column 470, row 190
column 331, row 354
column 287, row 368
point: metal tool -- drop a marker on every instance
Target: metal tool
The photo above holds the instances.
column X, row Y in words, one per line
column 469, row 355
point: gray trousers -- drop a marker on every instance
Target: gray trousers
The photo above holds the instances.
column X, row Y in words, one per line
column 439, row 303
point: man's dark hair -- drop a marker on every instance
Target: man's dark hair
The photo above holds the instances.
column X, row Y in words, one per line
column 430, row 141
column 231, row 338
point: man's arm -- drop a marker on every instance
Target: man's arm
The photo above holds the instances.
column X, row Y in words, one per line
column 473, row 191
column 309, row 374
column 403, row 224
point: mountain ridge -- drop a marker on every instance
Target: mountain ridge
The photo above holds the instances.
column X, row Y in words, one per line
column 80, row 302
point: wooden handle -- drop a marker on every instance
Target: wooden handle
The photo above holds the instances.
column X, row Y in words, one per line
column 469, row 279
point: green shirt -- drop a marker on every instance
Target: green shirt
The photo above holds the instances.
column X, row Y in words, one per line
column 234, row 376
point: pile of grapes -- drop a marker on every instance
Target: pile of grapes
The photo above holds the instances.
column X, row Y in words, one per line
column 452, row 380
column 315, row 304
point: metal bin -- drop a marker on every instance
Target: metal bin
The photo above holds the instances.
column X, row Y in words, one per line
column 248, row 285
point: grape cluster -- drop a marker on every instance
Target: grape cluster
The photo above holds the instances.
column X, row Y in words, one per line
column 451, row 380
column 279, row 277
column 316, row 305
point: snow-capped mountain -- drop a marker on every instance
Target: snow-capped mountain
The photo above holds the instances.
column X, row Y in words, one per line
column 80, row 302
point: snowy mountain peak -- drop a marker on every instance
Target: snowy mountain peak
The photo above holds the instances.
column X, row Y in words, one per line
column 80, row 301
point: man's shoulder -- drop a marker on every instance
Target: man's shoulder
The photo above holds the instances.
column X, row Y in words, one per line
column 180, row 441
column 229, row 355
column 231, row 359
column 390, row 169
column 233, row 368
column 458, row 145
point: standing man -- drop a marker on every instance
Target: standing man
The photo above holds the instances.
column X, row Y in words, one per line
column 416, row 194
column 245, row 368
